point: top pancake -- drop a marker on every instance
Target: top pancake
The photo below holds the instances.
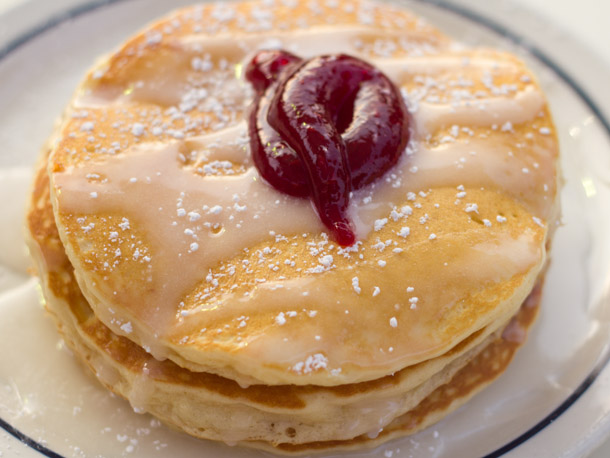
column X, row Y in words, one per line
column 179, row 245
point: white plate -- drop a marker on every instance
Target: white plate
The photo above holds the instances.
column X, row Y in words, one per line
column 554, row 400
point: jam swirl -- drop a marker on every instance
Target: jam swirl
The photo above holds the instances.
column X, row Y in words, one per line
column 323, row 127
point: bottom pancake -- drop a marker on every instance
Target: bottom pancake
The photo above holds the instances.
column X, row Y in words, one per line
column 282, row 419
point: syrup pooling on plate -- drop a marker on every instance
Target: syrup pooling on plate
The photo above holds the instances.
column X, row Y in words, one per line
column 324, row 127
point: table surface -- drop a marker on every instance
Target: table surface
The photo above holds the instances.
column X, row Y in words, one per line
column 585, row 20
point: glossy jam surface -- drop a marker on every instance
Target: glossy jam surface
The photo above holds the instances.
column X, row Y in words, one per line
column 323, row 127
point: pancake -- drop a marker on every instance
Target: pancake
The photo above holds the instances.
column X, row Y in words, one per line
column 205, row 296
column 224, row 274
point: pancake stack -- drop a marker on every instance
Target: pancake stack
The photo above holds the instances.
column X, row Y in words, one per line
column 205, row 297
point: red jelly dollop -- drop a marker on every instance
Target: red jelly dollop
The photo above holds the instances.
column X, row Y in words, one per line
column 322, row 127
